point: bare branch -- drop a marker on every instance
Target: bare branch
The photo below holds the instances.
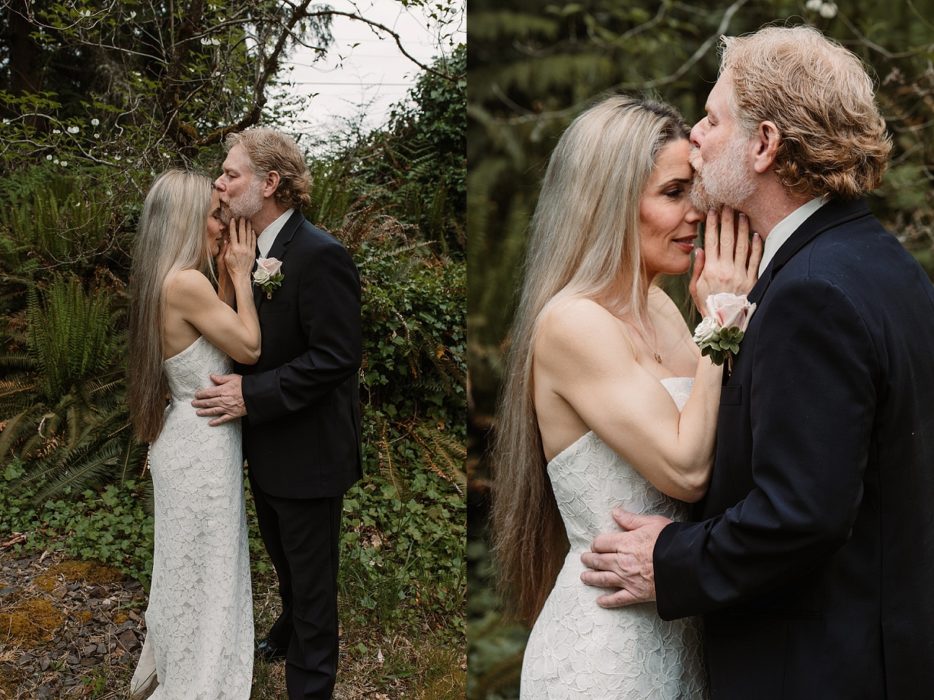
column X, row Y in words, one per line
column 395, row 36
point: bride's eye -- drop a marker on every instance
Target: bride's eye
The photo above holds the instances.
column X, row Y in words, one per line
column 676, row 193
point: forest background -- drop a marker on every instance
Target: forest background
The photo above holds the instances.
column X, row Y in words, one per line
column 532, row 69
column 96, row 99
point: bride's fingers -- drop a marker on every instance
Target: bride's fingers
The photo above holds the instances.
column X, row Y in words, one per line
column 241, row 232
column 249, row 237
column 698, row 269
column 711, row 235
column 742, row 240
column 727, row 234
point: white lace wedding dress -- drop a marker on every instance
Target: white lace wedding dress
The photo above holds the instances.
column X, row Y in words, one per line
column 580, row 650
column 199, row 622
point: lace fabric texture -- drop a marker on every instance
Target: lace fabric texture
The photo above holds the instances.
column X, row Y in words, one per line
column 580, row 650
column 199, row 622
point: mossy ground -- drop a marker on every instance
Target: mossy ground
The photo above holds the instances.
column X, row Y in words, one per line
column 43, row 611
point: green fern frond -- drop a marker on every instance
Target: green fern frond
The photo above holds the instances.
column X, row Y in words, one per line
column 88, row 464
column 16, row 394
column 385, row 461
column 104, row 451
column 15, row 428
column 445, row 454
column 17, row 362
column 70, row 335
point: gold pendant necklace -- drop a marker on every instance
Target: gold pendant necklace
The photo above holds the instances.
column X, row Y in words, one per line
column 650, row 346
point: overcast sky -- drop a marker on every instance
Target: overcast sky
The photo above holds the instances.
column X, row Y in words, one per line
column 362, row 68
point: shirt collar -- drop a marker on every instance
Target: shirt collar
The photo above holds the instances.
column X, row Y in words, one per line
column 784, row 228
column 265, row 240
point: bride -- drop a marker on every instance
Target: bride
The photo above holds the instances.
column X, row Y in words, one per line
column 199, row 640
column 607, row 401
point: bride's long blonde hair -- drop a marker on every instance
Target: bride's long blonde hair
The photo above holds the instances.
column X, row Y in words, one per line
column 584, row 242
column 171, row 237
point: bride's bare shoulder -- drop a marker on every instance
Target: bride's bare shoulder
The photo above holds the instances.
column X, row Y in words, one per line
column 572, row 314
column 572, row 325
column 181, row 285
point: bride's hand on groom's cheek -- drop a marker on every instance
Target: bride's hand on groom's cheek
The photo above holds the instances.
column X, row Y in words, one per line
column 730, row 259
column 220, row 263
column 241, row 248
column 623, row 560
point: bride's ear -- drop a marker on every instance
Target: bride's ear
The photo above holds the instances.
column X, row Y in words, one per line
column 766, row 141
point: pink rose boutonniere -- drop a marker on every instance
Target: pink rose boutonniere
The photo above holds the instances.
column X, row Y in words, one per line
column 268, row 275
column 721, row 332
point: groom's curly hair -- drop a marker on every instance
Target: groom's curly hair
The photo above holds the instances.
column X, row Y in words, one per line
column 272, row 150
column 819, row 95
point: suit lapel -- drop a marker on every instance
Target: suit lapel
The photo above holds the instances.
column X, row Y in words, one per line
column 835, row 213
column 279, row 250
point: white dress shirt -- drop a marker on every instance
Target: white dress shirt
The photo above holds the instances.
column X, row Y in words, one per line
column 265, row 239
column 784, row 228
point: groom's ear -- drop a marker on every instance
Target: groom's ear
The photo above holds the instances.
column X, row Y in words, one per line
column 767, row 141
column 271, row 183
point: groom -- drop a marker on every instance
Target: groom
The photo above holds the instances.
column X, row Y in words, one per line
column 299, row 403
column 813, row 561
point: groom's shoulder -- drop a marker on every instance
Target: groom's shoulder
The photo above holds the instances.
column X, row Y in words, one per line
column 316, row 247
column 312, row 238
column 312, row 235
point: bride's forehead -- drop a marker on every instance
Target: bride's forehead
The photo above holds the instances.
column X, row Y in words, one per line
column 672, row 162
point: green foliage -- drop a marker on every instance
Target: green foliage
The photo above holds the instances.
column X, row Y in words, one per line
column 723, row 345
column 151, row 83
column 110, row 526
column 403, row 556
column 332, row 193
column 71, row 336
column 414, row 347
column 64, row 407
column 415, row 169
column 404, row 544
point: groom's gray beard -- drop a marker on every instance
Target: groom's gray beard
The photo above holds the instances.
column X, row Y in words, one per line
column 246, row 206
column 724, row 181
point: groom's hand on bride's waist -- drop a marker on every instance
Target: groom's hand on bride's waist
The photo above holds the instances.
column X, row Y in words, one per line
column 223, row 401
column 623, row 560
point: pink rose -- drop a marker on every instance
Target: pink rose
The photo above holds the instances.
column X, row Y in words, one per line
column 730, row 310
column 266, row 269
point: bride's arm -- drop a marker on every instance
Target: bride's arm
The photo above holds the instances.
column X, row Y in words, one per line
column 190, row 294
column 226, row 290
column 589, row 363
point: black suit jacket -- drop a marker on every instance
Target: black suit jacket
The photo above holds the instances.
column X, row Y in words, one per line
column 301, row 433
column 813, row 561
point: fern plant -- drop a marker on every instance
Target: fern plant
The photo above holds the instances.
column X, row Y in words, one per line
column 62, row 406
column 53, row 222
column 442, row 451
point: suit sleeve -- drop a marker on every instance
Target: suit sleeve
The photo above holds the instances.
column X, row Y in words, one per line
column 329, row 312
column 812, row 410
